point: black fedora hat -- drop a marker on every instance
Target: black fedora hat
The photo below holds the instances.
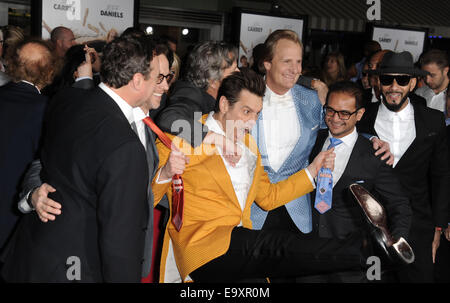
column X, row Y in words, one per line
column 398, row 63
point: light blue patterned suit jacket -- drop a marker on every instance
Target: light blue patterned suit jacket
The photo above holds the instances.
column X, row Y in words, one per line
column 310, row 116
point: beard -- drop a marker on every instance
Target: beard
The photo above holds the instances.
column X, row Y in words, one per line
column 393, row 107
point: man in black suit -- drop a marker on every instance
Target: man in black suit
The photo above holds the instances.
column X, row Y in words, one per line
column 21, row 113
column 417, row 137
column 98, row 166
column 355, row 163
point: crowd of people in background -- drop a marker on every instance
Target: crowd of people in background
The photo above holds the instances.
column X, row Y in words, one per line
column 85, row 166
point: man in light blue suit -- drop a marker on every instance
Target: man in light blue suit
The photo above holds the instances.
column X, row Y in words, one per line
column 287, row 129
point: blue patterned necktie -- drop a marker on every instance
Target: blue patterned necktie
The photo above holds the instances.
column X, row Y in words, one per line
column 324, row 191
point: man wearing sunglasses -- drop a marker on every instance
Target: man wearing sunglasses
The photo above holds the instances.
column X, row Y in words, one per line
column 355, row 163
column 418, row 141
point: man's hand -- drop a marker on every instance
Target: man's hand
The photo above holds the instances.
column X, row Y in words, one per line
column 321, row 88
column 323, row 159
column 435, row 244
column 45, row 207
column 382, row 148
column 232, row 153
column 175, row 165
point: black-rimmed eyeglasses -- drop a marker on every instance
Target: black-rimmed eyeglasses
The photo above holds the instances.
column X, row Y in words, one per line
column 343, row 114
column 161, row 77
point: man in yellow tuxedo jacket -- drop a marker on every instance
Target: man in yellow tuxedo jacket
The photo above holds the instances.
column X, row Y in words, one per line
column 216, row 242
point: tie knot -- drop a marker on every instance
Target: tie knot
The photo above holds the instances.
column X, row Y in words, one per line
column 334, row 142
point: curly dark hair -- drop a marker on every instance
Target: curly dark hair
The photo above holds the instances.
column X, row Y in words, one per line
column 38, row 68
column 124, row 57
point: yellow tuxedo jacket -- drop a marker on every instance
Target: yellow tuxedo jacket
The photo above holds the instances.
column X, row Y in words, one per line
column 211, row 208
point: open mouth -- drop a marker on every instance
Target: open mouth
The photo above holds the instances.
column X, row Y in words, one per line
column 157, row 94
column 394, row 96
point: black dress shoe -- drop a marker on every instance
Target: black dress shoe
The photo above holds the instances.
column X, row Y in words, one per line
column 395, row 249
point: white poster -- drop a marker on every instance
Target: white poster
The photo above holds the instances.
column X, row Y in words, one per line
column 256, row 28
column 399, row 40
column 89, row 20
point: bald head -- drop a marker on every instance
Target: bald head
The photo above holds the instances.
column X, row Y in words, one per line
column 32, row 62
column 62, row 39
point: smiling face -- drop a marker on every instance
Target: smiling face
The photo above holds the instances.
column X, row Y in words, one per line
column 342, row 102
column 162, row 87
column 286, row 66
column 395, row 95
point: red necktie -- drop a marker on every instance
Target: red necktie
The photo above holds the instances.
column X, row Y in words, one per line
column 177, row 182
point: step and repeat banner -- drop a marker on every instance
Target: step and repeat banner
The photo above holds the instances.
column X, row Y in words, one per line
column 89, row 20
column 400, row 39
column 255, row 28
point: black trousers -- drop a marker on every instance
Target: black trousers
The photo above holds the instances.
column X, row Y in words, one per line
column 277, row 253
column 422, row 269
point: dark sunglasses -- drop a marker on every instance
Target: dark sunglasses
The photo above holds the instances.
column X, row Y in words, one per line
column 161, row 77
column 401, row 80
column 343, row 115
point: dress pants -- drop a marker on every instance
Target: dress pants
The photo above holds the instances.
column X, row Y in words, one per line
column 422, row 269
column 277, row 253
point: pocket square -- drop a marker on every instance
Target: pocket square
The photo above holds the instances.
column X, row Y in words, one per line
column 360, row 181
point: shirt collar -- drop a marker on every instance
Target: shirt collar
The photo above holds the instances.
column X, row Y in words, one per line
column 272, row 98
column 213, row 125
column 126, row 108
column 27, row 82
column 349, row 140
column 138, row 114
column 404, row 114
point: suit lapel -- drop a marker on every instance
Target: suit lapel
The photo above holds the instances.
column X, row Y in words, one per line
column 421, row 131
column 321, row 137
column 367, row 124
column 353, row 161
column 152, row 153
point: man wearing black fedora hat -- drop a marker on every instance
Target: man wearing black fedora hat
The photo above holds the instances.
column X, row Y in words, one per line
column 417, row 137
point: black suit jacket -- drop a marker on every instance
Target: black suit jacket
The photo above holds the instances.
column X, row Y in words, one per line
column 21, row 113
column 99, row 169
column 33, row 179
column 345, row 219
column 423, row 170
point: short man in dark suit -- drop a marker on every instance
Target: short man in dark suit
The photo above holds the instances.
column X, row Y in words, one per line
column 99, row 168
column 355, row 163
column 21, row 112
column 418, row 140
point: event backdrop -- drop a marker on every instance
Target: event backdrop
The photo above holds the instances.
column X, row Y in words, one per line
column 254, row 29
column 398, row 40
column 89, row 20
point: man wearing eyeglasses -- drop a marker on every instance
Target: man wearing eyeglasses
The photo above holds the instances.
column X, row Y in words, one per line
column 355, row 163
column 418, row 141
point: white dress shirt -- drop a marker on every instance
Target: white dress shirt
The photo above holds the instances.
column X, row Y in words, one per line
column 139, row 116
column 242, row 174
column 343, row 152
column 281, row 126
column 436, row 101
column 396, row 128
